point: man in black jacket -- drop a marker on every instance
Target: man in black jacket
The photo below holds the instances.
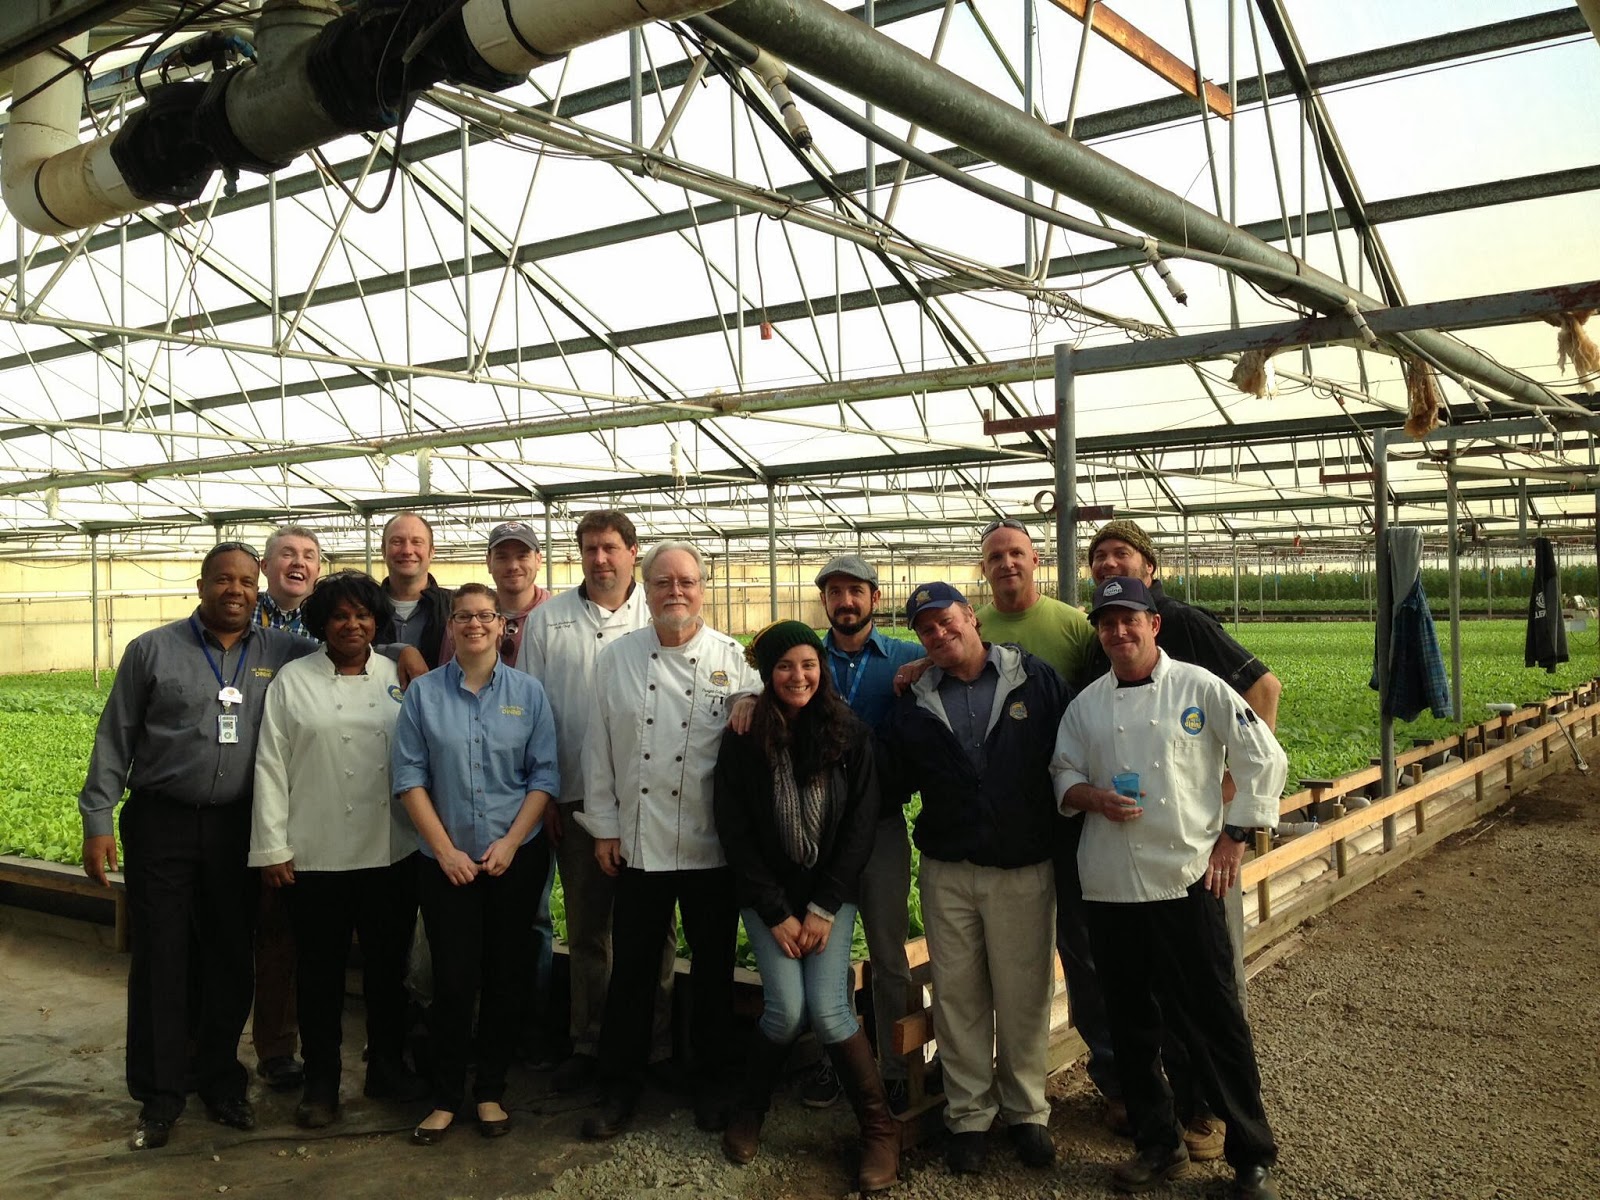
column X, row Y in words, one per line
column 975, row 734
column 421, row 606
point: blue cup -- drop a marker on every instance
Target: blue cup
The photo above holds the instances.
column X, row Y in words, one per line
column 1126, row 784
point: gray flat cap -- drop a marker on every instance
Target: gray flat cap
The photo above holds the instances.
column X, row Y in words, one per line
column 852, row 565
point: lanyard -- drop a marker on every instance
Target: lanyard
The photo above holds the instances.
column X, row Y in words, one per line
column 244, row 653
column 857, row 667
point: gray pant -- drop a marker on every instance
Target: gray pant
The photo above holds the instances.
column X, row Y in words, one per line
column 885, row 887
column 588, row 892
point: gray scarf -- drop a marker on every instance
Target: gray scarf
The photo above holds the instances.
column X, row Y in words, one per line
column 801, row 812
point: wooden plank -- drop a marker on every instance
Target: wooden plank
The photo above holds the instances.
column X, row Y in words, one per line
column 56, row 877
column 1143, row 49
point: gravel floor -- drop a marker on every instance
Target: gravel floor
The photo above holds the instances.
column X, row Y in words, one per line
column 1433, row 1036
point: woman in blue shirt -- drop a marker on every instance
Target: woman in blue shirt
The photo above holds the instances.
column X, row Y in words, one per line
column 475, row 766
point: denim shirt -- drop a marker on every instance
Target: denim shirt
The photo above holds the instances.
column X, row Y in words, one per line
column 865, row 679
column 478, row 755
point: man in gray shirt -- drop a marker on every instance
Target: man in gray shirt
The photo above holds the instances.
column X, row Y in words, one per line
column 179, row 732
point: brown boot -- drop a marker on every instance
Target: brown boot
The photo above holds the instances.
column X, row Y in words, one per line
column 880, row 1132
column 742, row 1139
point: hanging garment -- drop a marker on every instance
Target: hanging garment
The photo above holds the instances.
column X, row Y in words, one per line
column 1546, row 643
column 1417, row 678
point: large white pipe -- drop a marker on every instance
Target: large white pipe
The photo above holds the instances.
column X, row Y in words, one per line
column 50, row 182
column 514, row 36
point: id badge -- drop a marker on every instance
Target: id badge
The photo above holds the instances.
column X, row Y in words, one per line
column 228, row 729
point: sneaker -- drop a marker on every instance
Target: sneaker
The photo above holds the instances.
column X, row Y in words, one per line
column 1150, row 1169
column 1204, row 1136
column 823, row 1089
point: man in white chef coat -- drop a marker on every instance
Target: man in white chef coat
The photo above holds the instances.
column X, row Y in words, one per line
column 660, row 705
column 561, row 643
column 1141, row 752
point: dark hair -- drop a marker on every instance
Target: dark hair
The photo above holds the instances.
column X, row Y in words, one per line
column 819, row 734
column 608, row 520
column 222, row 548
column 476, row 589
column 426, row 524
column 352, row 587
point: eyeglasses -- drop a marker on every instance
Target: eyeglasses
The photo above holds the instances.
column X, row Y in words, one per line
column 229, row 547
column 1002, row 523
column 667, row 584
column 467, row 618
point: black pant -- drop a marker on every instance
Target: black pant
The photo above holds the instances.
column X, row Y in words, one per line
column 1170, row 963
column 1085, row 998
column 380, row 905
column 481, row 938
column 186, row 878
column 641, row 917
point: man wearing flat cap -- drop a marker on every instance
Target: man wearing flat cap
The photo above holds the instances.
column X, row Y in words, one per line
column 863, row 662
column 1141, row 753
column 974, row 734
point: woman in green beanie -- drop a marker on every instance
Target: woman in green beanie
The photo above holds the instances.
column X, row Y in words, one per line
column 796, row 806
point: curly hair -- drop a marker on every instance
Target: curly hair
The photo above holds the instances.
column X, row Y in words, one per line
column 352, row 587
column 818, row 736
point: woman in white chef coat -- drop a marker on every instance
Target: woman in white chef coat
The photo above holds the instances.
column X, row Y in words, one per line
column 328, row 831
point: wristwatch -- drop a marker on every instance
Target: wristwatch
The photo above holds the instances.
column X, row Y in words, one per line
column 1239, row 833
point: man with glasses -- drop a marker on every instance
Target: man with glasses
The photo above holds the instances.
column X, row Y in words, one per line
column 651, row 747
column 560, row 647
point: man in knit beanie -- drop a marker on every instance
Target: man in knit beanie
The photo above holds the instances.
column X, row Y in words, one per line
column 1192, row 635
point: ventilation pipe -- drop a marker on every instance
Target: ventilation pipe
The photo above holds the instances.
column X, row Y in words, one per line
column 321, row 73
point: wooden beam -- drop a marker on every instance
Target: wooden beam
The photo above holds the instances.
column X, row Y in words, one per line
column 1159, row 59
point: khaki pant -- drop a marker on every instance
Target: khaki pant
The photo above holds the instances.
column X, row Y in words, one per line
column 991, row 935
column 588, row 893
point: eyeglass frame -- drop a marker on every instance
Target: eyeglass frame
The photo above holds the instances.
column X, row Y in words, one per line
column 464, row 619
column 1002, row 523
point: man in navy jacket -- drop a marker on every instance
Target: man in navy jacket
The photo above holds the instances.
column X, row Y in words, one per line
column 975, row 734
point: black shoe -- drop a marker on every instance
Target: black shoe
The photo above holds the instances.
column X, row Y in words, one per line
column 1255, row 1183
column 236, row 1113
column 1150, row 1169
column 822, row 1090
column 898, row 1092
column 388, row 1079
column 616, row 1112
column 316, row 1112
column 577, row 1073
column 967, row 1154
column 494, row 1128
column 150, row 1134
column 712, row 1107
column 282, row 1072
column 1033, row 1145
column 429, row 1137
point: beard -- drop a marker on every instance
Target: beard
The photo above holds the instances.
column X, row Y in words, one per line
column 847, row 627
column 677, row 622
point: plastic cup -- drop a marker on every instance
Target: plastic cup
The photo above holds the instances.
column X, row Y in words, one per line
column 1126, row 784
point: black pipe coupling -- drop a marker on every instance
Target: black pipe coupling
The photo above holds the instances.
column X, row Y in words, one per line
column 158, row 150
column 211, row 125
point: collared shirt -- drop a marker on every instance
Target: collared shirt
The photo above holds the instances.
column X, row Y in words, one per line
column 271, row 615
column 648, row 755
column 865, row 679
column 479, row 755
column 1180, row 732
column 158, row 732
column 1047, row 629
column 968, row 707
column 561, row 643
column 322, row 794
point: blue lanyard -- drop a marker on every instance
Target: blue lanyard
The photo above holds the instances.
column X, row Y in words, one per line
column 244, row 653
column 858, row 668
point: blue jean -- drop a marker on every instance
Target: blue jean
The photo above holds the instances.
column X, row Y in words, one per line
column 813, row 990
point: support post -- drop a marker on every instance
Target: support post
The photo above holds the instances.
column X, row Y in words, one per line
column 369, row 543
column 1066, row 477
column 1452, row 506
column 1384, row 608
column 1236, row 583
column 1263, row 889
column 549, row 559
column 94, row 604
column 772, row 552
column 1341, row 848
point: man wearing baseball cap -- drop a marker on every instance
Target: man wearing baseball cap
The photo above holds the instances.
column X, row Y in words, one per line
column 1192, row 635
column 1141, row 753
column 975, row 734
column 864, row 662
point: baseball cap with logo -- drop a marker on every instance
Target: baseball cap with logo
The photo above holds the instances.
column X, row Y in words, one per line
column 851, row 565
column 515, row 531
column 926, row 596
column 1120, row 591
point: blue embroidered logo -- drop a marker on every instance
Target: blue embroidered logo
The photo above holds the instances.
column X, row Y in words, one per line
column 395, row 693
column 1192, row 720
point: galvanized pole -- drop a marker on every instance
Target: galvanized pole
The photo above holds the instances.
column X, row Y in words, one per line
column 1066, row 477
column 1385, row 607
column 1188, row 566
column 1236, row 583
column 772, row 552
column 727, row 589
column 549, row 559
column 369, row 543
column 94, row 603
column 1452, row 501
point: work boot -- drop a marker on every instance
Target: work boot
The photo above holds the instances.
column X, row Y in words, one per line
column 1150, row 1168
column 742, row 1139
column 880, row 1132
column 1204, row 1136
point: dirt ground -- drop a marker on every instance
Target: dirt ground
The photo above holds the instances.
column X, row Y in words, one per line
column 1433, row 1036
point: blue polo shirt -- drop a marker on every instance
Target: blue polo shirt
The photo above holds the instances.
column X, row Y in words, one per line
column 866, row 678
column 478, row 755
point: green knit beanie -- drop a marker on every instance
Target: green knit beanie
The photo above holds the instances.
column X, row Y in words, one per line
column 776, row 640
column 1126, row 531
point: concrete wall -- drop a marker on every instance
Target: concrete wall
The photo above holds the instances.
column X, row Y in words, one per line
column 46, row 619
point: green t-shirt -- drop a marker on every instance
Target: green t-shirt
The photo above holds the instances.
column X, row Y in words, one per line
column 1047, row 629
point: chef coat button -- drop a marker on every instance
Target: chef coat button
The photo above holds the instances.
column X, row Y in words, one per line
column 1153, row 721
column 688, row 691
column 644, row 791
column 674, row 791
column 692, row 661
column 680, row 758
column 652, row 687
column 649, row 720
column 655, row 656
column 647, row 756
column 1163, row 800
column 686, row 724
column 1119, row 728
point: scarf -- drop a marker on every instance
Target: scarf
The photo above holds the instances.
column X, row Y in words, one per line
column 801, row 811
